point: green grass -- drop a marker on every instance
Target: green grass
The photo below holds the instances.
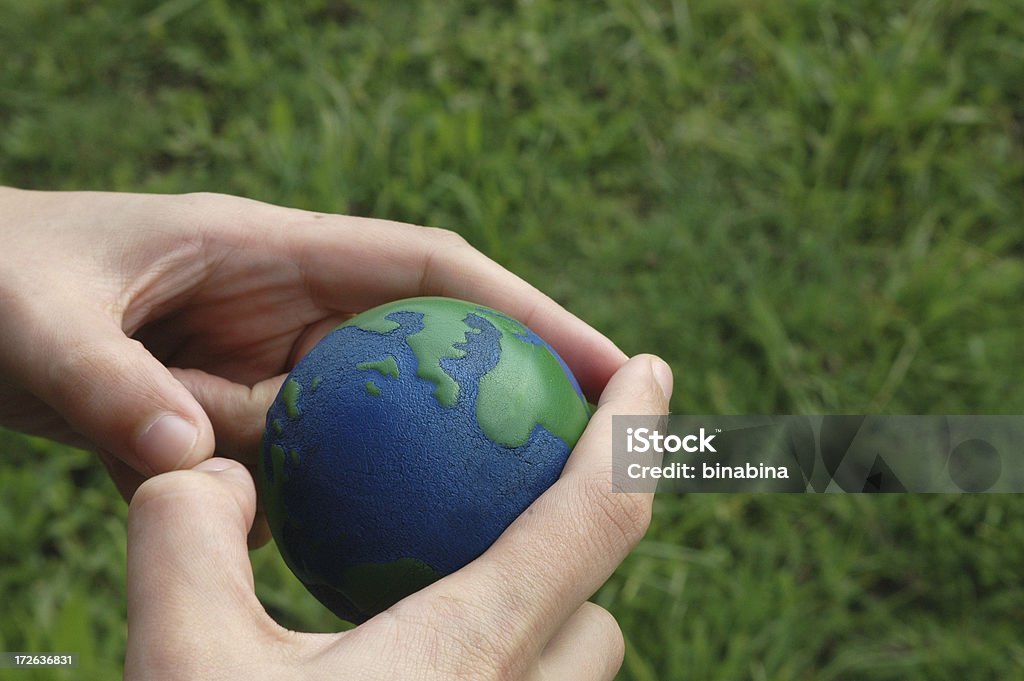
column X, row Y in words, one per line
column 803, row 206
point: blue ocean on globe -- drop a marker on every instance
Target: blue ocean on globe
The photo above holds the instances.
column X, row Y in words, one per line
column 406, row 441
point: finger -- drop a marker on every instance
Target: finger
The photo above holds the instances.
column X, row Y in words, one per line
column 588, row 647
column 400, row 261
column 259, row 533
column 107, row 386
column 237, row 412
column 125, row 478
column 127, row 481
column 190, row 584
column 569, row 541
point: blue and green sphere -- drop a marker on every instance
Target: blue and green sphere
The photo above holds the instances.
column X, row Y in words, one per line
column 406, row 441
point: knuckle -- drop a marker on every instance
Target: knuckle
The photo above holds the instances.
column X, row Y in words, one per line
column 75, row 371
column 157, row 488
column 621, row 518
column 447, row 237
column 446, row 248
column 80, row 374
column 202, row 197
column 177, row 490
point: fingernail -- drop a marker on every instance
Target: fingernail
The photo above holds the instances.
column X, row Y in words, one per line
column 167, row 442
column 663, row 375
column 214, row 465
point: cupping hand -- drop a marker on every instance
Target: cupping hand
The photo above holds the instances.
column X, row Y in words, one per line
column 517, row 612
column 157, row 329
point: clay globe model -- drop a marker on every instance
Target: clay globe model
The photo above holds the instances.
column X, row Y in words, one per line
column 406, row 441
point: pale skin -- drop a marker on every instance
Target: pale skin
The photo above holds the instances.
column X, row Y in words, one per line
column 157, row 329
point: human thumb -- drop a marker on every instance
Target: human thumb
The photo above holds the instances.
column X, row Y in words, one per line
column 111, row 390
column 190, row 585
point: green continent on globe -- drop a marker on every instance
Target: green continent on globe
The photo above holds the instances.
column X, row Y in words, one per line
column 385, row 367
column 509, row 405
column 290, row 395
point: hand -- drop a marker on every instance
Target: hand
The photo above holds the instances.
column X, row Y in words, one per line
column 517, row 612
column 158, row 329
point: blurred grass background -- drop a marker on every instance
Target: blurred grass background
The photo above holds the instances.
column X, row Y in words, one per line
column 803, row 206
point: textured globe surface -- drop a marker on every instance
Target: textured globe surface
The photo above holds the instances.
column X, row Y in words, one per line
column 406, row 441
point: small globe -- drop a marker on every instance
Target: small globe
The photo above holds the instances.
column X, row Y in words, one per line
column 406, row 442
